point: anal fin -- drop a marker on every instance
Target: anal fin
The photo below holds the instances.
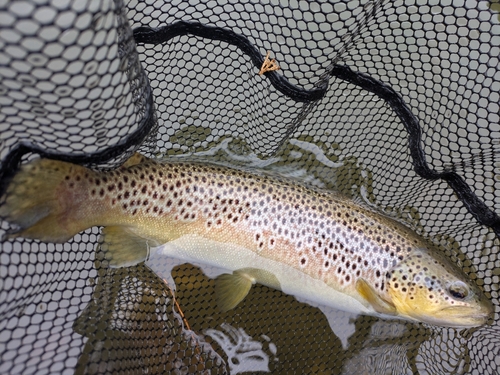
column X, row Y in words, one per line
column 123, row 248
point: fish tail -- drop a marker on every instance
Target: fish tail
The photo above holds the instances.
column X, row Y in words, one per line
column 37, row 200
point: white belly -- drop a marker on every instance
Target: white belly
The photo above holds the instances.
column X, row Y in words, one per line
column 226, row 257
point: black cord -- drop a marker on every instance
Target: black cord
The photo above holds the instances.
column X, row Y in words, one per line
column 471, row 201
column 148, row 35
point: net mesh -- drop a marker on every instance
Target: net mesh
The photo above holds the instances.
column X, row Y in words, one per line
column 392, row 102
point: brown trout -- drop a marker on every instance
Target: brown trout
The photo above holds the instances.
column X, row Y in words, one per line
column 311, row 242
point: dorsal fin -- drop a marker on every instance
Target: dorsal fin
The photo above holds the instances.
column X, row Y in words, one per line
column 135, row 159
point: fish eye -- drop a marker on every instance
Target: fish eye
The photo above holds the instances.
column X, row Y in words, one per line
column 458, row 290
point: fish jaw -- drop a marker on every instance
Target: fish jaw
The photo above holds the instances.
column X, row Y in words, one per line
column 453, row 317
column 463, row 317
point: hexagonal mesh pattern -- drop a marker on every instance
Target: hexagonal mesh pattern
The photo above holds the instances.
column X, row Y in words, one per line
column 393, row 103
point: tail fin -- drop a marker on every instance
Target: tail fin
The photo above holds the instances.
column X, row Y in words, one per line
column 37, row 201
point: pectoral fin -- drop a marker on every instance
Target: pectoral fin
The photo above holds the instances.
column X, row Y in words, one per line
column 371, row 296
column 123, row 248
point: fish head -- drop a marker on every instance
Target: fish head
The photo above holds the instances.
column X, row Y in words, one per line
column 428, row 287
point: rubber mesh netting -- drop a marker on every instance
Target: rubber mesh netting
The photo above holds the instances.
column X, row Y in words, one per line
column 395, row 103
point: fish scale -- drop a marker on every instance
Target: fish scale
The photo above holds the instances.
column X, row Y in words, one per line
column 318, row 233
column 308, row 241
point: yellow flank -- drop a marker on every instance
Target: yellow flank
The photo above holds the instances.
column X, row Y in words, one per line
column 310, row 241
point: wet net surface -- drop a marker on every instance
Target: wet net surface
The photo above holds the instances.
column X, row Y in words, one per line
column 394, row 103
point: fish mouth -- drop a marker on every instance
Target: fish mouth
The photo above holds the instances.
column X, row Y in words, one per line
column 461, row 317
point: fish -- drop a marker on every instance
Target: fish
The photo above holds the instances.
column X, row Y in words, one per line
column 310, row 242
